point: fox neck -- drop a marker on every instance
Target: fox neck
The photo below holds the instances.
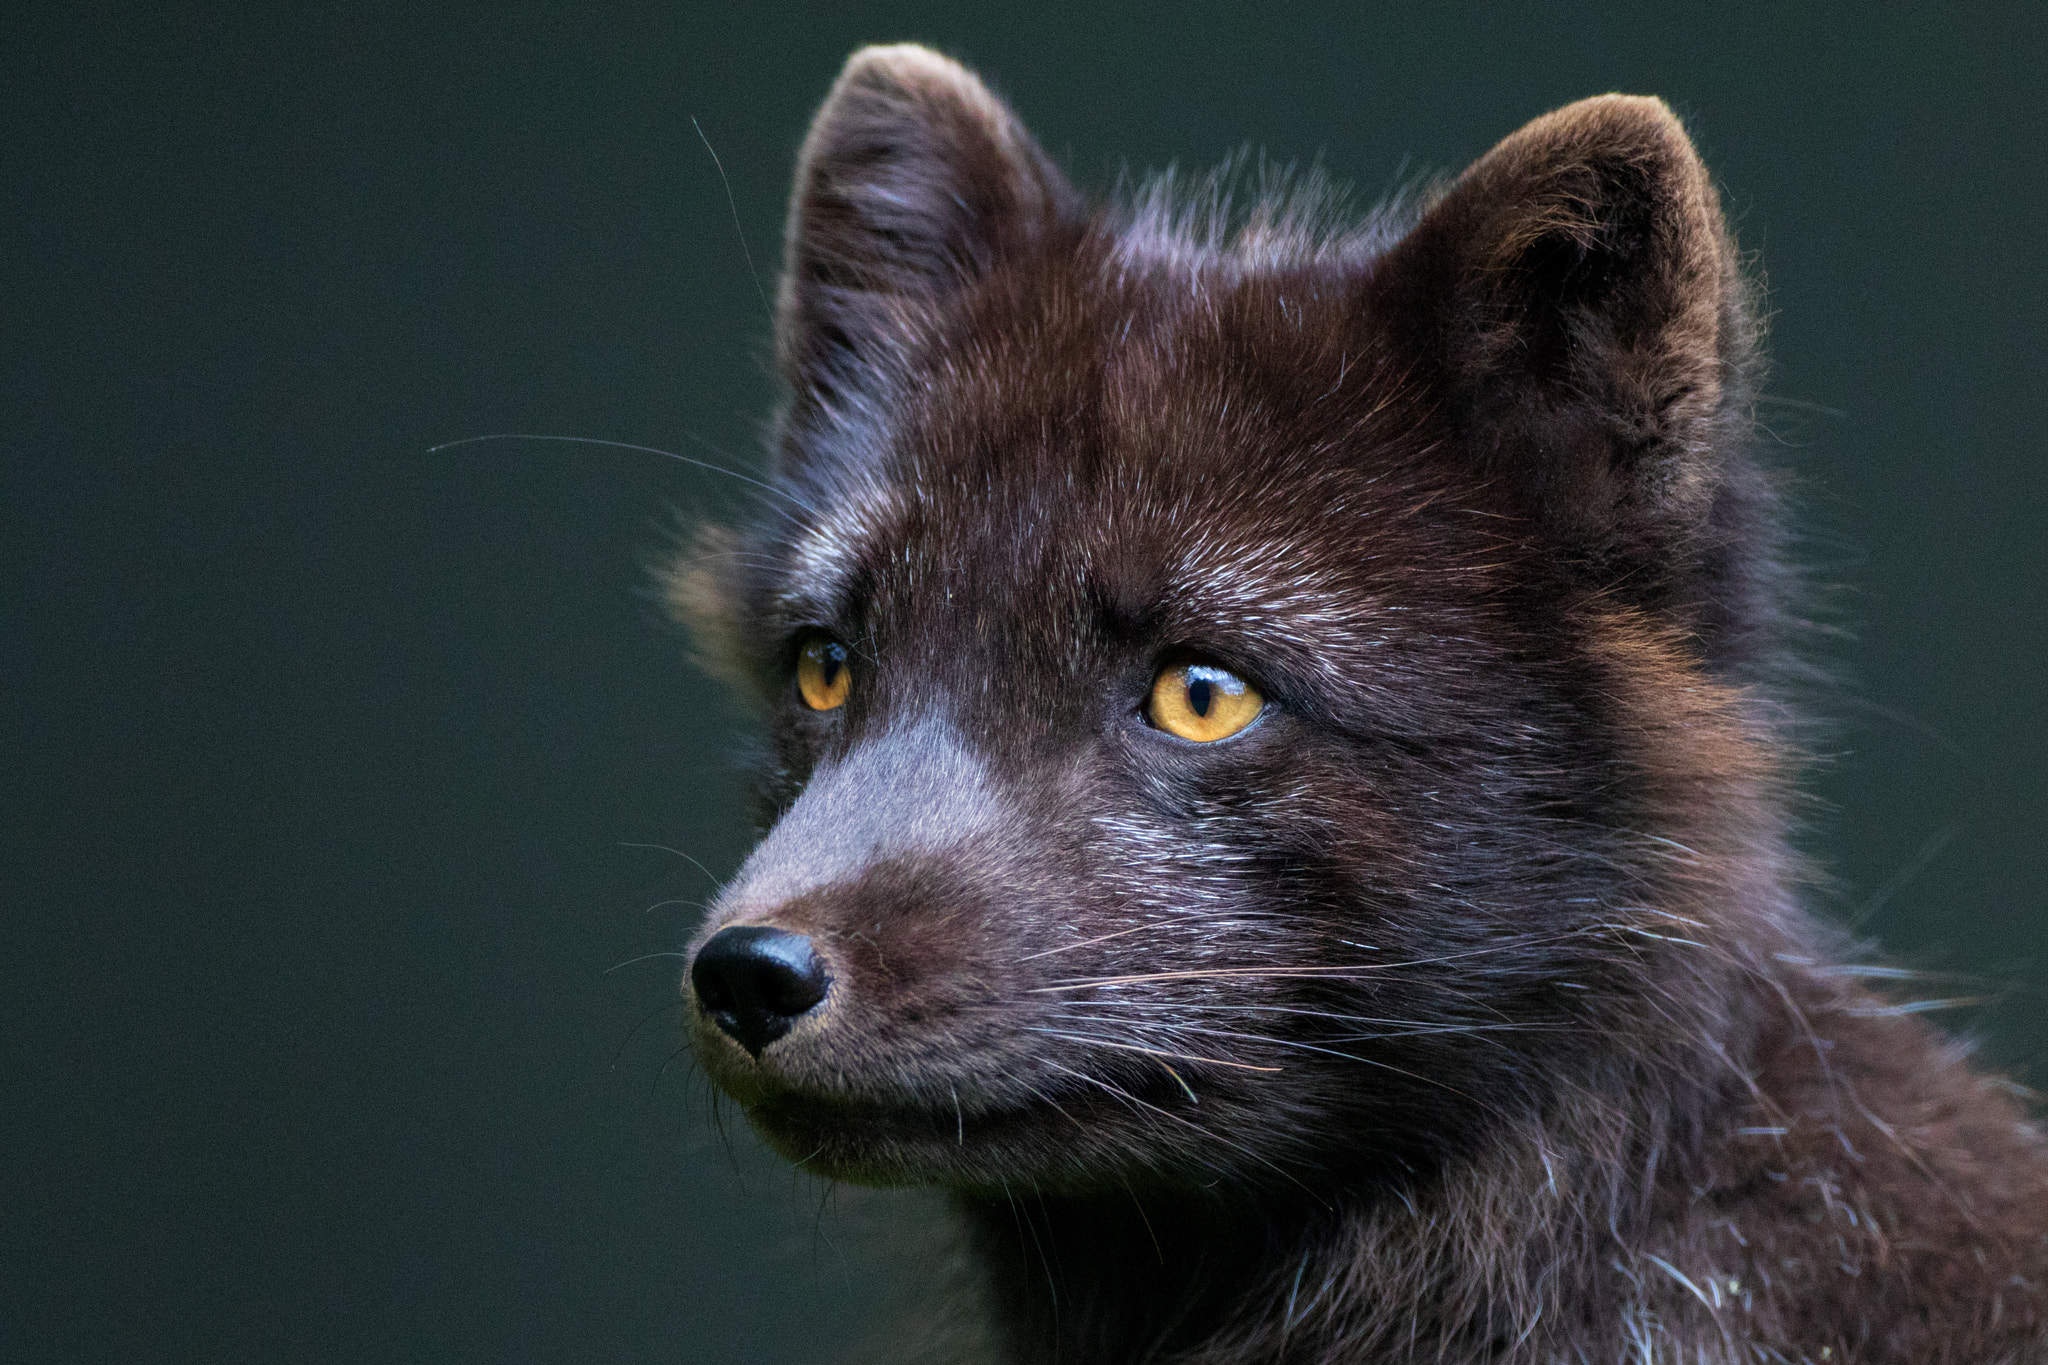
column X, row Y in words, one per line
column 1470, row 1261
column 1093, row 1279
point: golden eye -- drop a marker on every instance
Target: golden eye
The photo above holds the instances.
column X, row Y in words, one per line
column 1202, row 702
column 822, row 673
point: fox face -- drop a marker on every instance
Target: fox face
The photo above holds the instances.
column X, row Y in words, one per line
column 1252, row 705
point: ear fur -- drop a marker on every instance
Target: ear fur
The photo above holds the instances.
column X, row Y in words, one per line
column 912, row 179
column 1577, row 293
column 697, row 587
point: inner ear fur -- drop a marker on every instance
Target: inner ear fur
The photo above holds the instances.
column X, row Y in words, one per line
column 1577, row 295
column 913, row 179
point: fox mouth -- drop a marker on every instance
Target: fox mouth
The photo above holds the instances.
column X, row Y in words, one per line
column 972, row 1121
column 958, row 1144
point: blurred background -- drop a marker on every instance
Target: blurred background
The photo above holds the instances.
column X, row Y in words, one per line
column 354, row 790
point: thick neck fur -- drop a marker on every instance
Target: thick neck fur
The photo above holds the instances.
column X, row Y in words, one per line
column 1455, row 1266
column 1782, row 1206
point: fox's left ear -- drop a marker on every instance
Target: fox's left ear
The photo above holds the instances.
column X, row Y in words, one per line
column 913, row 180
column 1576, row 298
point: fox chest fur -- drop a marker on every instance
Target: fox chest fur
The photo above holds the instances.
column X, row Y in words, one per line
column 1276, row 793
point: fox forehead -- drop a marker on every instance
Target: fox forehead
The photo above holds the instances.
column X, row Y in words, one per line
column 1130, row 561
column 1133, row 466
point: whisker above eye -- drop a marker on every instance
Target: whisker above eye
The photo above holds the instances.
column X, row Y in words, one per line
column 693, row 462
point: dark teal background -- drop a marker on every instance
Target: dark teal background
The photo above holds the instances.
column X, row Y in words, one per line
column 327, row 757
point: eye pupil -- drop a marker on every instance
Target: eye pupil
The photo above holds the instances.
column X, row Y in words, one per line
column 824, row 676
column 1202, row 702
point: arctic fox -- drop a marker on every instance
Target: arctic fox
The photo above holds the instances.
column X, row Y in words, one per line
column 1278, row 777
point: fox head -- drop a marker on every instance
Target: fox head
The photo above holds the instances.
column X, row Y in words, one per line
column 1247, row 697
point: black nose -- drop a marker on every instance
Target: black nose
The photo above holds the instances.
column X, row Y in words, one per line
column 754, row 982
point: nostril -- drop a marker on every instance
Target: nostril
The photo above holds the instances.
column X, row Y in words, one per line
column 712, row 989
column 755, row 982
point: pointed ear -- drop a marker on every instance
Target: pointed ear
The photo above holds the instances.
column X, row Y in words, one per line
column 1577, row 298
column 914, row 178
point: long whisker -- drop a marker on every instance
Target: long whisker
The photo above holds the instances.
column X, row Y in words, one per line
column 733, row 204
column 645, row 450
column 1335, row 972
column 1400, row 1028
column 1173, row 923
column 642, row 958
column 1150, row 1051
column 1127, row 1097
column 664, row 848
column 673, row 900
column 1311, row 1047
column 651, row 1014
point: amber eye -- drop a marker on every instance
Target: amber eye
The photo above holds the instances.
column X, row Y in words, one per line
column 822, row 673
column 1202, row 702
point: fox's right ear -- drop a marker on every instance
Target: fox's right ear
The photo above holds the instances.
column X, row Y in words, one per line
column 913, row 179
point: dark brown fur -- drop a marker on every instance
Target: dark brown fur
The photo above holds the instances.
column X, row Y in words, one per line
column 1462, row 1008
